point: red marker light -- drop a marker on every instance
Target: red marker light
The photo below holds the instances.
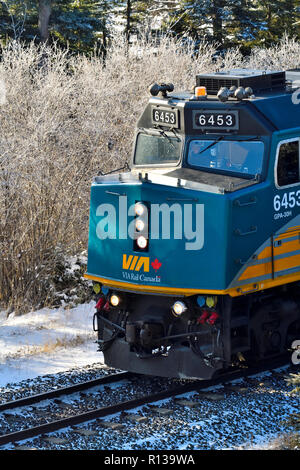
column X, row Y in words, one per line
column 100, row 303
column 213, row 318
column 201, row 320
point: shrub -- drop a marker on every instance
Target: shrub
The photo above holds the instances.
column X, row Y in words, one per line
column 65, row 118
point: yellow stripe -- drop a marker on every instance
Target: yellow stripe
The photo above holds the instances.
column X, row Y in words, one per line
column 279, row 250
column 256, row 271
column 286, row 247
column 268, row 284
column 154, row 289
column 287, row 263
column 233, row 292
column 291, row 229
column 282, row 264
column 265, row 253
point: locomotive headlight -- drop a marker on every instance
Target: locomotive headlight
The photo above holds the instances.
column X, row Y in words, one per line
column 142, row 242
column 139, row 209
column 179, row 308
column 139, row 225
column 114, row 300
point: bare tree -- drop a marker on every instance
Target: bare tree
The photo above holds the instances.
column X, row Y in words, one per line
column 128, row 20
column 17, row 24
column 44, row 17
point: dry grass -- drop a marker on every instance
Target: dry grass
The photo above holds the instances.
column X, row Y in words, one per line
column 287, row 441
column 49, row 347
column 65, row 119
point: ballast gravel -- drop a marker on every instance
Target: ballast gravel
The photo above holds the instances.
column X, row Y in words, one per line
column 250, row 413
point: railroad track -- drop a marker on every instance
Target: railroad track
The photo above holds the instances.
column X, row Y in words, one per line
column 55, row 394
column 123, row 406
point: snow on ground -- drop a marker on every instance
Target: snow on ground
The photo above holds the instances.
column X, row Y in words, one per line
column 51, row 341
column 46, row 341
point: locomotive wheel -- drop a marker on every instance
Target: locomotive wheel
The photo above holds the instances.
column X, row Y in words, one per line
column 272, row 328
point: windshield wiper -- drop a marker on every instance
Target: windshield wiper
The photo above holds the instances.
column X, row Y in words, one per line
column 257, row 137
column 147, row 131
column 162, row 132
column 175, row 133
column 212, row 144
column 221, row 138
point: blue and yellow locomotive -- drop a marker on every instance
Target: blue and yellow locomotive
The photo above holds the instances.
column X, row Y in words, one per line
column 195, row 251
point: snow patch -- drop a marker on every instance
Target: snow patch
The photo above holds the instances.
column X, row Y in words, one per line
column 46, row 341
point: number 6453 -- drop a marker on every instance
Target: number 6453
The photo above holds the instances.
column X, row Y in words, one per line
column 286, row 200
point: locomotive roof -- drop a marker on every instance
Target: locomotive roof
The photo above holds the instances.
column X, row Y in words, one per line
column 277, row 106
column 275, row 101
column 280, row 109
column 261, row 115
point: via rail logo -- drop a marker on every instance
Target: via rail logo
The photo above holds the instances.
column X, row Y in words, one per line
column 296, row 352
column 136, row 263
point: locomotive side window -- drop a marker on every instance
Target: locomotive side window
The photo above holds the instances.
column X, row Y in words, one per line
column 288, row 164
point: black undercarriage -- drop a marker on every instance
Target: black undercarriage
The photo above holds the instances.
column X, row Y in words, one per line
column 143, row 334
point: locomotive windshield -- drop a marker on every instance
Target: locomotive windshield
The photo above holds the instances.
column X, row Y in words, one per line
column 157, row 149
column 243, row 157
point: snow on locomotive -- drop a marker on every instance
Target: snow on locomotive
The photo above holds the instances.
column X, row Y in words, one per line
column 195, row 252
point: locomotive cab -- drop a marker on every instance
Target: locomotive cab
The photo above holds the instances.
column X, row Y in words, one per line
column 195, row 251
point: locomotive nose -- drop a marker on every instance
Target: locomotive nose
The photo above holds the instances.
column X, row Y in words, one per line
column 150, row 237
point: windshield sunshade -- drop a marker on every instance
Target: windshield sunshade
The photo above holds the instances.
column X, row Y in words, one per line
column 157, row 149
column 231, row 156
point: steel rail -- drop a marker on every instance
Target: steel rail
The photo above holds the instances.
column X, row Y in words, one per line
column 98, row 413
column 130, row 404
column 30, row 400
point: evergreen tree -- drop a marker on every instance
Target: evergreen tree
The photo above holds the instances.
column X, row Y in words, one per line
column 81, row 25
column 147, row 16
column 131, row 15
column 202, row 19
column 244, row 22
column 280, row 17
column 238, row 22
